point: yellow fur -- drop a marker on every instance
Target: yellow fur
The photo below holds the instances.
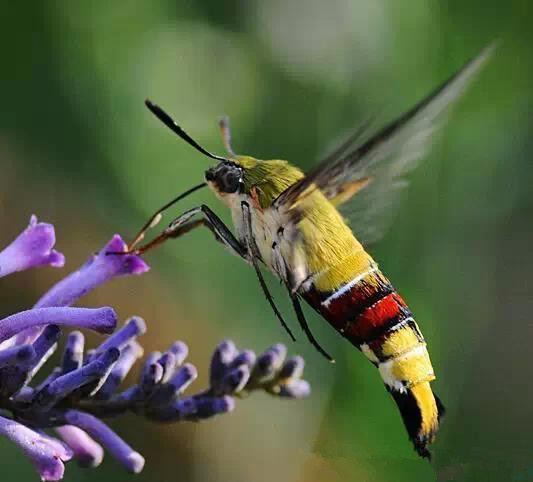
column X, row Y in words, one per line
column 329, row 245
column 412, row 367
column 399, row 342
column 268, row 178
column 336, row 275
column 428, row 409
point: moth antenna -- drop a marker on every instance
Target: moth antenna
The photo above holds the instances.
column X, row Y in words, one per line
column 225, row 132
column 171, row 124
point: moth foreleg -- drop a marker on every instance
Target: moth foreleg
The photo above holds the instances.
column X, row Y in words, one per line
column 184, row 223
column 154, row 219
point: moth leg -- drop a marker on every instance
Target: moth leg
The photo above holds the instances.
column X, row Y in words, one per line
column 183, row 224
column 289, row 281
column 254, row 255
column 305, row 327
column 290, row 285
column 154, row 219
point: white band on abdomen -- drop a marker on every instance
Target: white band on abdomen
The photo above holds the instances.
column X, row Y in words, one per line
column 348, row 286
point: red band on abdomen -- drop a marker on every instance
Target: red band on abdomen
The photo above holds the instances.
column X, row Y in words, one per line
column 388, row 311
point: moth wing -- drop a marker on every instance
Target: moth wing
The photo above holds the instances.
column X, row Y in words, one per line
column 372, row 211
column 366, row 181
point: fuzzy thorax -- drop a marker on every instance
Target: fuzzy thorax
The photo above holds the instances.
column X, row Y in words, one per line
column 327, row 247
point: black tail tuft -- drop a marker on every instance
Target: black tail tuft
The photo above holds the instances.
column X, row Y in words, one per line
column 440, row 407
column 411, row 411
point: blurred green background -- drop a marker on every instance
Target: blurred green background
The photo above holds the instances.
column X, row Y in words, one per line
column 78, row 148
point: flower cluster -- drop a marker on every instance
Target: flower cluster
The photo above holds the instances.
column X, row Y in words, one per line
column 85, row 387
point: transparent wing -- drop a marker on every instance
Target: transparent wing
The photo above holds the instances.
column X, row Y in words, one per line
column 371, row 212
column 367, row 180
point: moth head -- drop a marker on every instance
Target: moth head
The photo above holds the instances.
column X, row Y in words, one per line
column 227, row 177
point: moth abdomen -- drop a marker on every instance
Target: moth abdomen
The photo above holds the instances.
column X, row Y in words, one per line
column 368, row 312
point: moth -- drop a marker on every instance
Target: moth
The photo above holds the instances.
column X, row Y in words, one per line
column 310, row 230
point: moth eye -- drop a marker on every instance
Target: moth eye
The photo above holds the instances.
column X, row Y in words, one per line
column 230, row 181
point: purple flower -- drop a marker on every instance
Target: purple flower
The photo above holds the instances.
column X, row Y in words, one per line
column 73, row 354
column 183, row 378
column 74, row 400
column 87, row 452
column 63, row 385
column 98, row 269
column 293, row 368
column 134, row 327
column 16, row 355
column 33, row 247
column 75, row 396
column 46, row 454
column 128, row 356
column 132, row 460
column 102, row 320
column 295, row 389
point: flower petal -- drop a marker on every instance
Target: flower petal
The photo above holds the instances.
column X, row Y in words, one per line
column 73, row 353
column 293, row 368
column 33, row 247
column 46, row 456
column 269, row 363
column 17, row 354
column 132, row 460
column 180, row 350
column 183, row 378
column 87, row 452
column 128, row 356
column 133, row 327
column 102, row 320
column 222, row 358
column 295, row 389
column 206, row 407
column 65, row 384
column 152, row 373
column 99, row 269
column 235, row 380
